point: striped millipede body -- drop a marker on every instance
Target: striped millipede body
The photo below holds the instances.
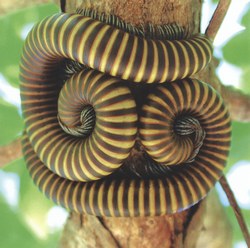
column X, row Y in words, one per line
column 79, row 133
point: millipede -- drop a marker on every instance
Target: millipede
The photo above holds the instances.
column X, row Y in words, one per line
column 83, row 118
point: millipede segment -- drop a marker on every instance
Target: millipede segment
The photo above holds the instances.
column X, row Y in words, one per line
column 82, row 122
column 118, row 53
column 171, row 103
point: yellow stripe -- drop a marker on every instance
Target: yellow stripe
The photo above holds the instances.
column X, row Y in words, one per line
column 107, row 51
column 81, row 46
column 61, row 37
column 177, row 61
column 53, row 189
column 58, row 155
column 152, row 194
column 186, row 62
column 40, row 176
column 110, row 198
column 72, row 36
column 120, row 193
column 196, row 58
column 141, row 71
column 120, row 54
column 127, row 71
column 173, row 201
column 82, row 198
column 141, row 199
column 52, row 34
column 91, row 198
column 107, row 151
column 100, row 198
column 73, row 164
column 203, row 60
column 75, row 200
column 60, row 193
column 183, row 193
column 66, row 195
column 116, row 143
column 162, row 197
column 51, row 152
column 96, row 44
column 83, row 159
column 166, row 60
column 46, row 182
column 197, row 180
column 131, row 200
column 103, row 161
column 154, row 70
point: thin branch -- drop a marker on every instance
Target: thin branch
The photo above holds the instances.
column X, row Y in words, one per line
column 236, row 209
column 217, row 18
column 10, row 152
column 238, row 103
column 13, row 5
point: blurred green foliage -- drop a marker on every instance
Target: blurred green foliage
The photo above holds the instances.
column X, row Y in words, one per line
column 10, row 122
column 24, row 226
column 237, row 51
column 14, row 226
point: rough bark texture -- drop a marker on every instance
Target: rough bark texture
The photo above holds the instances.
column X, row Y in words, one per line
column 202, row 226
column 195, row 227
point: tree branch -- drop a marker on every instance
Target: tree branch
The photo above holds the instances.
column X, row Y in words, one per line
column 238, row 103
column 10, row 152
column 177, row 230
column 236, row 209
column 217, row 18
column 9, row 6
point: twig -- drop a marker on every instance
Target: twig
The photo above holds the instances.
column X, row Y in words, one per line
column 217, row 18
column 10, row 152
column 236, row 209
column 238, row 103
column 13, row 5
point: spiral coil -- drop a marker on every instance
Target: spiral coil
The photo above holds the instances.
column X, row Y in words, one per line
column 79, row 132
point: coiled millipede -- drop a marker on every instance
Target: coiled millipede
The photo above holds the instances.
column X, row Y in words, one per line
column 80, row 129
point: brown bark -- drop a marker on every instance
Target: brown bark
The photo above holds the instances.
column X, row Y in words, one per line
column 185, row 229
column 203, row 226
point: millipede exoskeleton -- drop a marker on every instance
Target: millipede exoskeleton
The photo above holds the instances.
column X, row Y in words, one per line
column 81, row 124
column 115, row 52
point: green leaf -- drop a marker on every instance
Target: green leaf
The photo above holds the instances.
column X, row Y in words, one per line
column 240, row 143
column 11, row 42
column 246, row 18
column 237, row 50
column 32, row 202
column 244, row 84
column 11, row 123
column 14, row 232
column 33, row 208
column 237, row 233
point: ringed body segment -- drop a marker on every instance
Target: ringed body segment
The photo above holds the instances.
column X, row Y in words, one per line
column 81, row 130
column 115, row 52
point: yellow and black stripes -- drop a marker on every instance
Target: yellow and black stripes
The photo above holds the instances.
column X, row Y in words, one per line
column 169, row 104
column 112, row 137
column 180, row 188
column 115, row 52
column 81, row 126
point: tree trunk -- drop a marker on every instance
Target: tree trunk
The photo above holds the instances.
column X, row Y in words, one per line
column 203, row 225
